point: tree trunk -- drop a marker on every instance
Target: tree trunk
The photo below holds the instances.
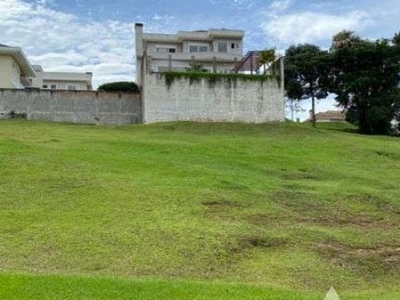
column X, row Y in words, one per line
column 314, row 121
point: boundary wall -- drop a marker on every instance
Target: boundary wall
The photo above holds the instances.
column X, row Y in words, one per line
column 205, row 100
column 71, row 106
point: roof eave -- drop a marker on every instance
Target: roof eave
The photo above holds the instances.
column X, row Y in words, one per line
column 18, row 55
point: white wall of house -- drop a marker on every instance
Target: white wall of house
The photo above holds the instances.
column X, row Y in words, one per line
column 10, row 73
column 62, row 81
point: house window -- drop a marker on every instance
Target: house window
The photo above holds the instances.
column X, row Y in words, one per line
column 72, row 87
column 192, row 48
column 165, row 50
column 235, row 45
column 222, row 47
column 196, row 48
column 45, row 86
column 203, row 48
column 53, row 86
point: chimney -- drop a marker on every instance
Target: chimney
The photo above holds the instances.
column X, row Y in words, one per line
column 139, row 39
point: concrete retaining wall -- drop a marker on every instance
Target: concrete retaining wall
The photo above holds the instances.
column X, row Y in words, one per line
column 72, row 106
column 226, row 100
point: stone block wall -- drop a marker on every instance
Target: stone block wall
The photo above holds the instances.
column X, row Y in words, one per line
column 72, row 106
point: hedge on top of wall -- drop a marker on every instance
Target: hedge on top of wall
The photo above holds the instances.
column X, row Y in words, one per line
column 122, row 86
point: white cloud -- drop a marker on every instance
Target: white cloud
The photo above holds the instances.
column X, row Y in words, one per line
column 238, row 4
column 278, row 6
column 310, row 27
column 59, row 41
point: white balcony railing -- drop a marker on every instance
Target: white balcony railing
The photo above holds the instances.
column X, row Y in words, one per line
column 197, row 56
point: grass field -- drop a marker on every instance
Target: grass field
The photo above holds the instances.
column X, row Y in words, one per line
column 197, row 211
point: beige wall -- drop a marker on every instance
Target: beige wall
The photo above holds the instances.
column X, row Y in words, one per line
column 9, row 73
column 63, row 85
column 61, row 80
column 5, row 72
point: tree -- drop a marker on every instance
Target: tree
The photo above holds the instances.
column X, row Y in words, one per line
column 266, row 59
column 306, row 74
column 344, row 39
column 122, row 86
column 196, row 68
column 365, row 78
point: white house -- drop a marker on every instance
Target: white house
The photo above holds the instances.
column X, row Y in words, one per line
column 215, row 50
column 61, row 80
column 14, row 68
column 16, row 72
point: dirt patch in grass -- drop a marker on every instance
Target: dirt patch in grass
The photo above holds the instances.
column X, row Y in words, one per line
column 247, row 242
column 298, row 201
column 221, row 204
column 352, row 220
column 262, row 242
column 373, row 260
column 262, row 219
column 301, row 174
column 221, row 208
column 380, row 203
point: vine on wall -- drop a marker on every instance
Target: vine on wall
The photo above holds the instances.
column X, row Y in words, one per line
column 212, row 78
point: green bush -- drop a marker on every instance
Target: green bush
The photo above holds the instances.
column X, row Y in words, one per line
column 123, row 86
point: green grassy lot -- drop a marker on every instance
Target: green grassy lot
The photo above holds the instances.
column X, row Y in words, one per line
column 197, row 211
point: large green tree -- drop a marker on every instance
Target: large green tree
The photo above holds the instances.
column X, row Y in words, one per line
column 365, row 77
column 306, row 74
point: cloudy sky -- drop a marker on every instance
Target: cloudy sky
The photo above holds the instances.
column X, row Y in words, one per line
column 98, row 35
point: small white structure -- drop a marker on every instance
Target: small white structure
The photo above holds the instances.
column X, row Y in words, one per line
column 215, row 50
column 332, row 295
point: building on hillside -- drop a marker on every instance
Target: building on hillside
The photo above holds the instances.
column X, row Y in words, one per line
column 214, row 50
column 14, row 68
column 328, row 116
column 61, row 80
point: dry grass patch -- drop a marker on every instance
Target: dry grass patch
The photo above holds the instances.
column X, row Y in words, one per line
column 364, row 261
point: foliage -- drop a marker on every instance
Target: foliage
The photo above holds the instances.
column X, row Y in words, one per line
column 267, row 58
column 365, row 77
column 122, row 86
column 214, row 77
column 205, row 202
column 306, row 73
column 196, row 67
column 344, row 39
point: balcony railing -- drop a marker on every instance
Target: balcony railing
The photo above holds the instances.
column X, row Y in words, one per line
column 196, row 56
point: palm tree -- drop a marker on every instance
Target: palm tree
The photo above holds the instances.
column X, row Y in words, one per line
column 266, row 59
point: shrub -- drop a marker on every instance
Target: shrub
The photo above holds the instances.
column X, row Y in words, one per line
column 123, row 86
